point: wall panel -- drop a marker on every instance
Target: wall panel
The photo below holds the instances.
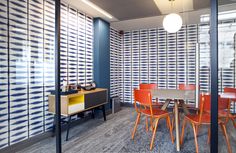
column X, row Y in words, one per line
column 4, row 74
column 49, row 60
column 181, row 56
column 153, row 60
column 115, row 63
column 135, row 60
column 18, row 39
column 72, row 46
column 64, row 41
column 89, row 50
column 171, row 61
column 35, row 67
column 127, row 66
column 81, row 48
column 162, row 58
column 144, row 56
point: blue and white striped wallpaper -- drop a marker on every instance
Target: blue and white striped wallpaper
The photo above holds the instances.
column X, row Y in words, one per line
column 155, row 56
column 115, row 63
column 4, row 98
column 27, row 63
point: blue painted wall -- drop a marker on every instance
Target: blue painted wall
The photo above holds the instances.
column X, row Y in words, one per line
column 101, row 59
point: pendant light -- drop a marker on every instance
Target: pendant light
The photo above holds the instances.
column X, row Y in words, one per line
column 172, row 22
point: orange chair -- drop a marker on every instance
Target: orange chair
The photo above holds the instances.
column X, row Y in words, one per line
column 231, row 116
column 143, row 106
column 204, row 118
column 149, row 86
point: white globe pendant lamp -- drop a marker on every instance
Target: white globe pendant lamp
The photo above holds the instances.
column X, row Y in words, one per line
column 172, row 22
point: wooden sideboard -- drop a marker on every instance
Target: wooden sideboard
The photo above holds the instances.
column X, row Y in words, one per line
column 79, row 102
column 73, row 104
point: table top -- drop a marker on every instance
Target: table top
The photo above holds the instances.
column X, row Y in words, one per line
column 173, row 94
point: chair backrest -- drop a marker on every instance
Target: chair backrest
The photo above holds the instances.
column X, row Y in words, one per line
column 143, row 98
column 222, row 103
column 229, row 89
column 205, row 105
column 187, row 87
column 148, row 86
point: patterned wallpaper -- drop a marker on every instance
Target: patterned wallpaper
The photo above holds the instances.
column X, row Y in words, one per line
column 155, row 56
column 27, row 63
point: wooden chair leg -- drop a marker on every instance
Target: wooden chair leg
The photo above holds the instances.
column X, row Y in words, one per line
column 234, row 123
column 182, row 134
column 167, row 124
column 170, row 128
column 195, row 137
column 197, row 129
column 136, row 124
column 154, row 134
column 172, row 123
column 209, row 135
column 173, row 120
column 146, row 123
column 151, row 124
column 226, row 137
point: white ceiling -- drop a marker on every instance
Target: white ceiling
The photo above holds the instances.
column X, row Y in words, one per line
column 88, row 10
column 191, row 11
column 167, row 7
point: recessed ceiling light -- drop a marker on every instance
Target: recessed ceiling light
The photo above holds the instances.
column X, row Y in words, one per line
column 97, row 8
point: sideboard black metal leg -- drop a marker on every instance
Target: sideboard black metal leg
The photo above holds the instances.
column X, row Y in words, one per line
column 54, row 126
column 93, row 116
column 68, row 127
column 104, row 112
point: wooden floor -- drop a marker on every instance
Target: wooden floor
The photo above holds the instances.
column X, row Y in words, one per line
column 114, row 135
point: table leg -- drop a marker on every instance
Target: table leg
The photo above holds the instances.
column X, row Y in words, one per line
column 54, row 126
column 177, row 125
column 68, row 127
column 104, row 112
column 165, row 104
column 93, row 116
column 185, row 109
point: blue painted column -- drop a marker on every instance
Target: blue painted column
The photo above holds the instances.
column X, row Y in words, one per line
column 101, row 53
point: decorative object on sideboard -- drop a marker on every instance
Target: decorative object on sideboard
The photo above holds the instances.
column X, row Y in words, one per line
column 64, row 85
column 89, row 87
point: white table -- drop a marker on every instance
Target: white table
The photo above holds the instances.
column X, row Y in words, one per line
column 174, row 95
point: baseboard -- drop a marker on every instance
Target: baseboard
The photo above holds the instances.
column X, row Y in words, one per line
column 126, row 105
column 28, row 142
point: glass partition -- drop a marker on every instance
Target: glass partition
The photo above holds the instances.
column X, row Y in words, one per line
column 26, row 70
column 227, row 75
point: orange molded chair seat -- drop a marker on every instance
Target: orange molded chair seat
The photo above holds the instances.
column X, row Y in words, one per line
column 156, row 112
column 206, row 118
